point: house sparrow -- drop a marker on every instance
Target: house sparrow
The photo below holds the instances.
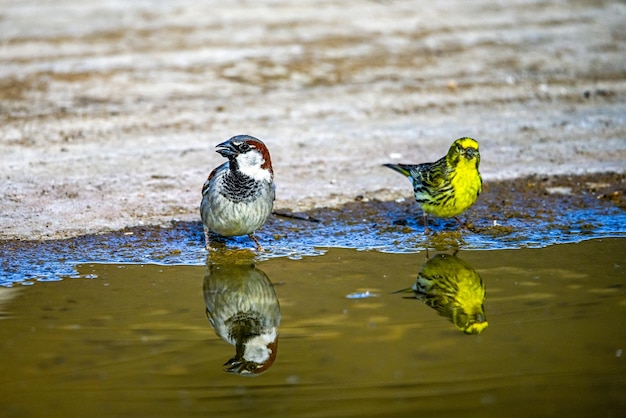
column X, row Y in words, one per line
column 238, row 196
column 243, row 309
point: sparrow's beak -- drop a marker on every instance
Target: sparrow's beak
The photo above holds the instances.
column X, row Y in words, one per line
column 227, row 149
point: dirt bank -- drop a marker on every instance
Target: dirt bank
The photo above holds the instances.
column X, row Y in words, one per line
column 110, row 111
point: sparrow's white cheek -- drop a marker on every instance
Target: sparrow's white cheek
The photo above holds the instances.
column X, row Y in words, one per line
column 250, row 164
column 257, row 349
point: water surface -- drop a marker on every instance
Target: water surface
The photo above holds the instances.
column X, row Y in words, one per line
column 134, row 339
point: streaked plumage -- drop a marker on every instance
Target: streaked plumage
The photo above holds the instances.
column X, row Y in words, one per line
column 242, row 307
column 238, row 196
column 453, row 288
column 450, row 185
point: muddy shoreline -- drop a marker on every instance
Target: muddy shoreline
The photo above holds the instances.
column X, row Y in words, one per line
column 521, row 198
column 532, row 212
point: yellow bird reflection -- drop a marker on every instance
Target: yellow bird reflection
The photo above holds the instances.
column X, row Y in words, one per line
column 454, row 289
column 242, row 307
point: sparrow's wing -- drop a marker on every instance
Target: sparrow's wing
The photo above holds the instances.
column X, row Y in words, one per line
column 213, row 175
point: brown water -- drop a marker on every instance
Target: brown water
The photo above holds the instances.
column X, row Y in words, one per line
column 134, row 340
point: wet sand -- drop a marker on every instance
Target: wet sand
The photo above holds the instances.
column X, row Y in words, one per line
column 110, row 112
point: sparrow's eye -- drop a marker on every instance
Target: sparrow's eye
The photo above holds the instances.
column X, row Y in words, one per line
column 244, row 147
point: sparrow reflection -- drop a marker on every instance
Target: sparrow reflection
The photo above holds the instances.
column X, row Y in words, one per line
column 454, row 289
column 243, row 309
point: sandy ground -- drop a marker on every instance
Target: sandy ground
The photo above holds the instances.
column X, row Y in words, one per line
column 110, row 110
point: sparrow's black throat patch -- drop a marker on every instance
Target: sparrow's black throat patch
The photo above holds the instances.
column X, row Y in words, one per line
column 240, row 188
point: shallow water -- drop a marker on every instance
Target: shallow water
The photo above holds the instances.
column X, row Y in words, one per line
column 134, row 339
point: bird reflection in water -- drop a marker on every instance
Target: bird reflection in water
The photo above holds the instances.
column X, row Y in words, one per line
column 242, row 307
column 454, row 289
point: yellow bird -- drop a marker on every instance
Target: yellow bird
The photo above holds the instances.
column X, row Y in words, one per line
column 450, row 185
column 454, row 289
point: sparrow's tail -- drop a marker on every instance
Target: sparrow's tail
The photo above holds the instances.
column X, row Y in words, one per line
column 404, row 169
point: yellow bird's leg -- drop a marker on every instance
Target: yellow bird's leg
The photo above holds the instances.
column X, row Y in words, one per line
column 465, row 225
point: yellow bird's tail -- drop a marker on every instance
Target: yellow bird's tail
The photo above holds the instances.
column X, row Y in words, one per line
column 404, row 169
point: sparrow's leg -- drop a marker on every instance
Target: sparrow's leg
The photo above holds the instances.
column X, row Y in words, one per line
column 207, row 241
column 426, row 230
column 256, row 241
